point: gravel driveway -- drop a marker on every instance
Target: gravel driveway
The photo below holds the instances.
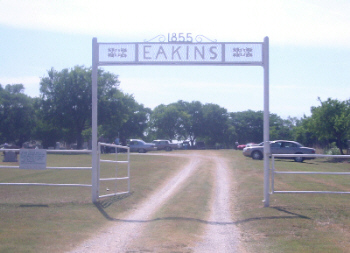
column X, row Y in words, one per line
column 221, row 234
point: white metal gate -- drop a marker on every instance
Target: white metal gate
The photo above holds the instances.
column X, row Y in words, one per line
column 116, row 178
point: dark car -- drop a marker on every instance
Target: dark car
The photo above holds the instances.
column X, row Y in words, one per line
column 279, row 147
column 140, row 146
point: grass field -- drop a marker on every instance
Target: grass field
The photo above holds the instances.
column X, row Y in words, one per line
column 294, row 222
column 54, row 219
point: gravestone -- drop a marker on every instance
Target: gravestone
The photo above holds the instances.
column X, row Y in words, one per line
column 10, row 156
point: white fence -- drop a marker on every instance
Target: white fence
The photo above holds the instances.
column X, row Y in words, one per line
column 274, row 171
column 117, row 147
column 56, row 168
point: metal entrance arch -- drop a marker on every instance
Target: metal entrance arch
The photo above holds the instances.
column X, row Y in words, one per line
column 181, row 52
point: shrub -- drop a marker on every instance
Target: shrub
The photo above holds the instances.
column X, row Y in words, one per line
column 333, row 150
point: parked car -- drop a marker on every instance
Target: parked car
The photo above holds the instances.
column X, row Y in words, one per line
column 242, row 146
column 164, row 145
column 253, row 144
column 279, row 147
column 250, row 144
column 140, row 146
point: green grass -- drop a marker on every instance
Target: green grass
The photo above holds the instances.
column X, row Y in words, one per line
column 294, row 222
column 54, row 219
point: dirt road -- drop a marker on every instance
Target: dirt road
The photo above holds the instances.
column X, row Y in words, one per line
column 221, row 234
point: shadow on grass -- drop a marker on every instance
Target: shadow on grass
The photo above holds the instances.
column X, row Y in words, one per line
column 317, row 161
column 33, row 205
column 290, row 215
column 306, row 161
column 109, row 201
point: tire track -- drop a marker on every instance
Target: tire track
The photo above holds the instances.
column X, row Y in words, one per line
column 117, row 238
column 222, row 235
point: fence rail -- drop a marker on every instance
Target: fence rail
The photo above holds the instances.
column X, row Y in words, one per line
column 46, row 184
column 273, row 172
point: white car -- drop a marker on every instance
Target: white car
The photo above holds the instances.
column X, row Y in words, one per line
column 279, row 147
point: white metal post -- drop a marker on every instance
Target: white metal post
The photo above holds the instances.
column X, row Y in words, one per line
column 266, row 123
column 273, row 175
column 94, row 173
column 128, row 150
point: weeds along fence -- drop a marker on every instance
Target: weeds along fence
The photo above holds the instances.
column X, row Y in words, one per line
column 91, row 185
column 312, row 156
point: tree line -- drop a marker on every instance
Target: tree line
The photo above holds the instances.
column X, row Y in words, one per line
column 62, row 112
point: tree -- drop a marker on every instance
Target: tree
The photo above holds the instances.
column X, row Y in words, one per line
column 121, row 116
column 66, row 100
column 135, row 121
column 280, row 129
column 248, row 125
column 192, row 120
column 166, row 121
column 303, row 133
column 45, row 130
column 17, row 116
column 215, row 124
column 331, row 121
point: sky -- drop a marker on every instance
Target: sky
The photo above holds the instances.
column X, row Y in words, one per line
column 309, row 48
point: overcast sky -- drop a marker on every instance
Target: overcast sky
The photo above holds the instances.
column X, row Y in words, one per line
column 309, row 48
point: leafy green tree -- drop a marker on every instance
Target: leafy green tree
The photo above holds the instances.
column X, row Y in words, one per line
column 121, row 116
column 66, row 100
column 303, row 133
column 166, row 121
column 45, row 130
column 280, row 129
column 331, row 121
column 215, row 124
column 192, row 120
column 135, row 121
column 17, row 117
column 248, row 125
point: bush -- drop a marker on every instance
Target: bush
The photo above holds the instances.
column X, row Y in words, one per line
column 333, row 150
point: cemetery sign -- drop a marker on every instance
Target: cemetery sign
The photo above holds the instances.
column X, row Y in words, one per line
column 182, row 51
column 33, row 159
